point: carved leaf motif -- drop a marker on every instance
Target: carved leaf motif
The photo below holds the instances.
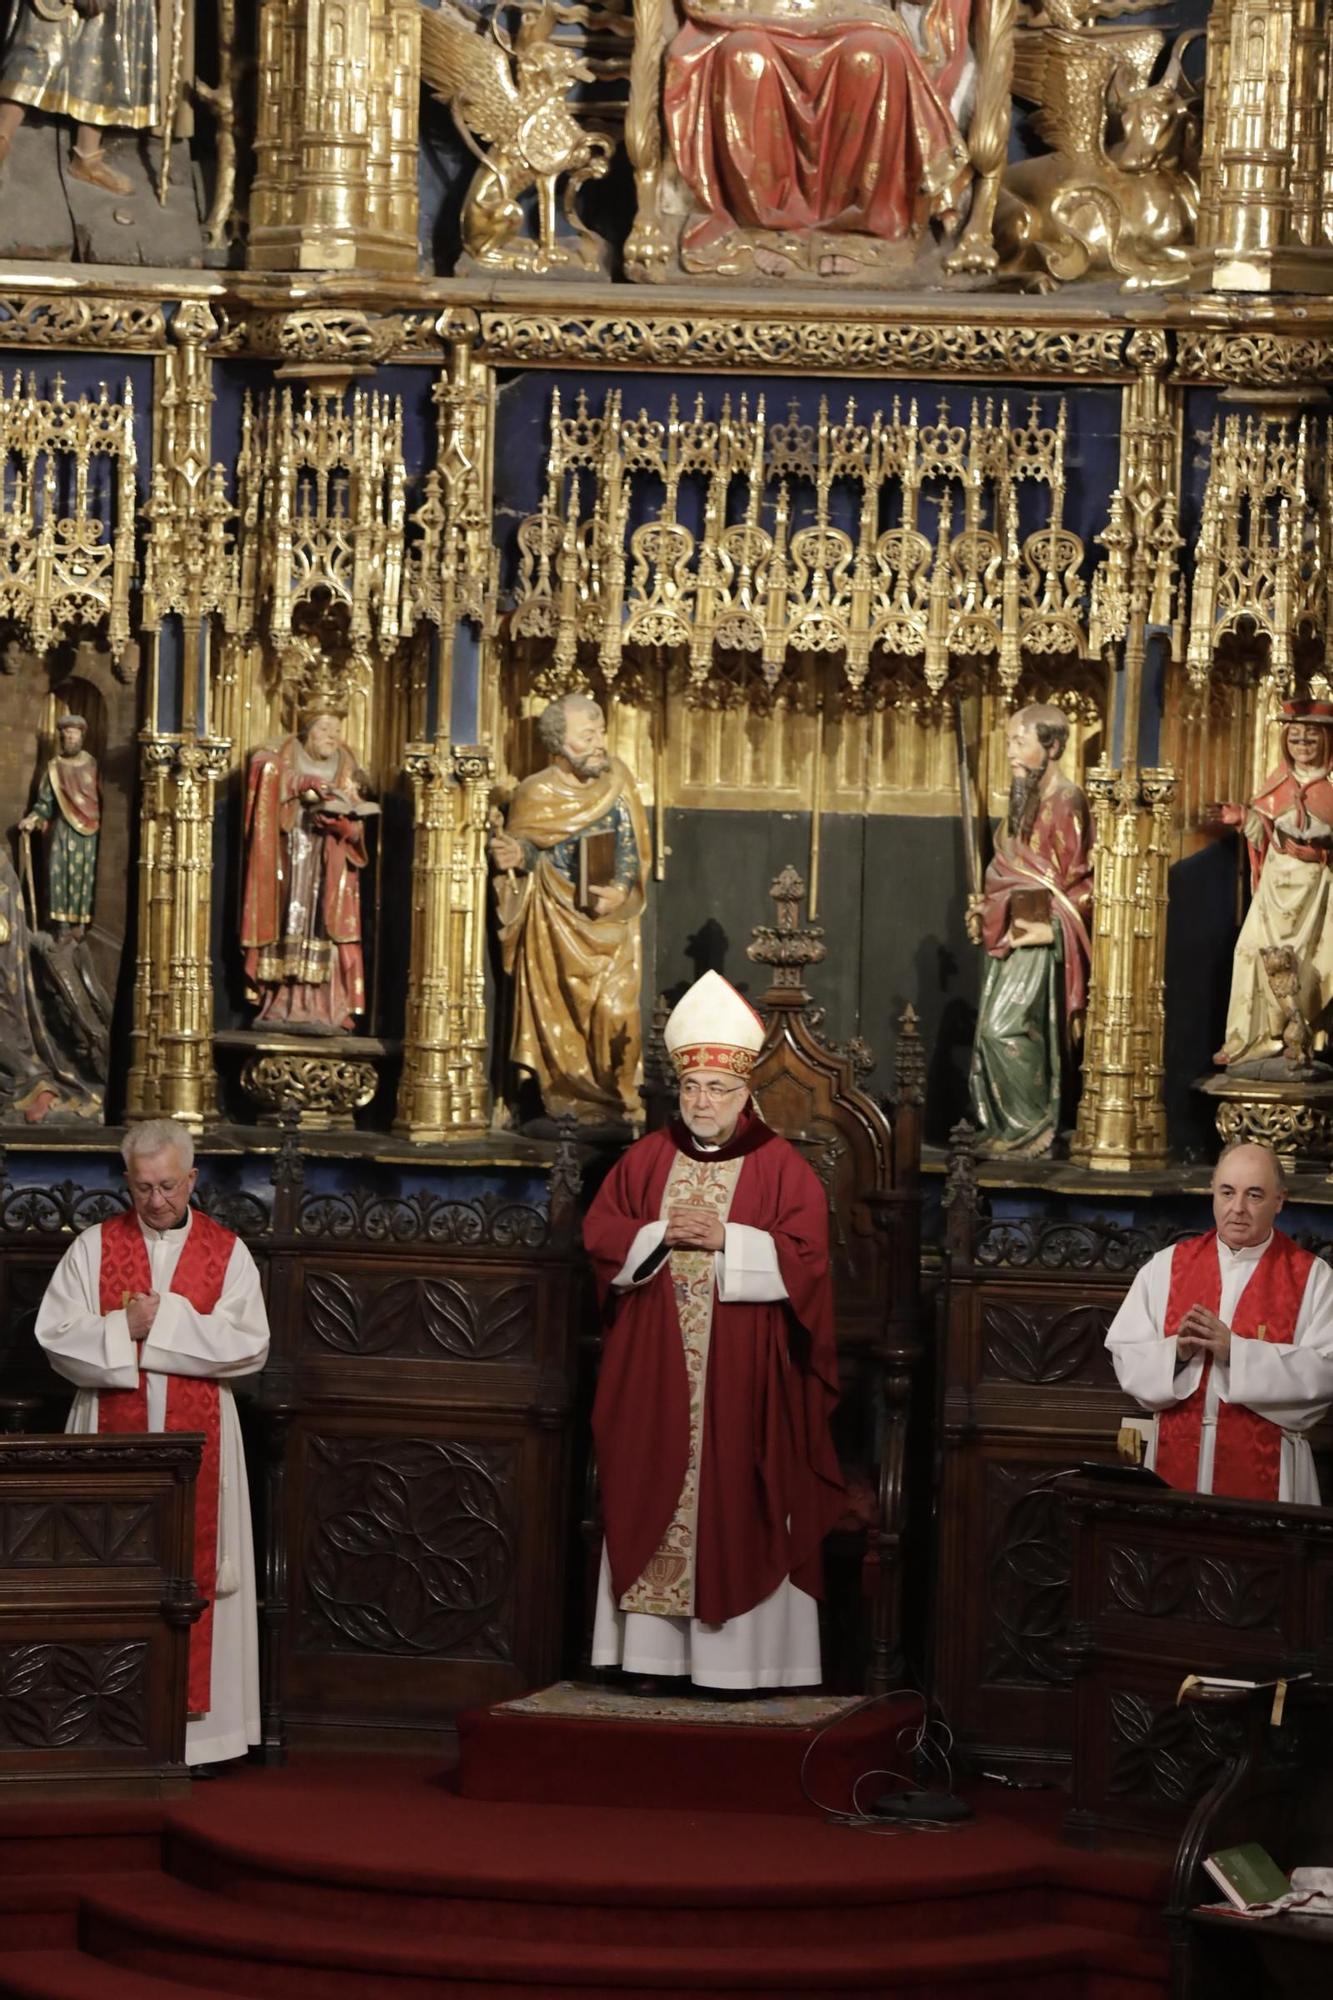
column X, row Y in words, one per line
column 1149, row 1589
column 409, row 1548
column 1038, row 1345
column 389, row 1323
column 55, row 1696
column 1242, row 1595
column 1164, row 1756
column 474, row 1325
column 1027, row 1583
column 331, row 1311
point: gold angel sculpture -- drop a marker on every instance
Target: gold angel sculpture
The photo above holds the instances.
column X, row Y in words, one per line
column 509, row 100
column 1119, row 194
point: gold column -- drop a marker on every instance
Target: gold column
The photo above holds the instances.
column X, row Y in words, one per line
column 1122, row 1120
column 189, row 575
column 443, row 1091
column 171, row 1071
column 336, row 174
column 1264, row 218
column 154, row 904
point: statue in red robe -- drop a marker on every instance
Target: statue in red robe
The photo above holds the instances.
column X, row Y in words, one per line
column 305, row 848
column 797, row 124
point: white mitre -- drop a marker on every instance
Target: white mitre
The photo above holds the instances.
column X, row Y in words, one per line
column 711, row 1027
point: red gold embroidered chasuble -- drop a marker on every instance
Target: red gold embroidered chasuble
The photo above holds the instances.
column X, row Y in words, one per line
column 665, row 1587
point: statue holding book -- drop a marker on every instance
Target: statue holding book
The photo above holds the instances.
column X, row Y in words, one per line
column 572, row 871
column 305, row 849
column 1032, row 917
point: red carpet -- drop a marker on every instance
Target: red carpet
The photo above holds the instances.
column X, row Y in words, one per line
column 711, row 1767
column 368, row 1879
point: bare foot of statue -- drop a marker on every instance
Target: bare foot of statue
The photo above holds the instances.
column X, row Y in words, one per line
column 97, row 170
column 831, row 265
column 772, row 263
column 35, row 1112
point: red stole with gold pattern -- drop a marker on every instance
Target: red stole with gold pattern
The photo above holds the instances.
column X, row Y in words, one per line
column 192, row 1404
column 1247, row 1454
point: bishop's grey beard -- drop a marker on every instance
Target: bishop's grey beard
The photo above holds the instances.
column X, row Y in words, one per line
column 1024, row 797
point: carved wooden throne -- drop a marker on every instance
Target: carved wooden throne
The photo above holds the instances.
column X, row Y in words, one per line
column 868, row 1156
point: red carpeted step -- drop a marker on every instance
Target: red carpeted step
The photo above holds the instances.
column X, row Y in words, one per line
column 580, row 1872
column 521, row 1909
column 37, row 1838
column 73, row 1975
column 711, row 1767
column 170, row 1932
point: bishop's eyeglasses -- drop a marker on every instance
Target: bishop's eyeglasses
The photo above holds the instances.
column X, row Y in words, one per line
column 716, row 1093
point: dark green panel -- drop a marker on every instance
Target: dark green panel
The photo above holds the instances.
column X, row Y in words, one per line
column 916, row 949
column 891, row 908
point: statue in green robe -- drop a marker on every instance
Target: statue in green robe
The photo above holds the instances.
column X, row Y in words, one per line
column 69, row 801
column 1032, row 918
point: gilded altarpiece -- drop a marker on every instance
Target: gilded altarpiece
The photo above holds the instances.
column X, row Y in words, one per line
column 407, row 460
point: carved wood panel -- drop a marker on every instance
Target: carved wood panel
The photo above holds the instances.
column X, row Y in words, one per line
column 74, row 1696
column 409, row 1547
column 1046, row 1341
column 1151, row 1583
column 1161, row 1754
column 436, row 1315
column 1026, row 1581
column 78, row 1534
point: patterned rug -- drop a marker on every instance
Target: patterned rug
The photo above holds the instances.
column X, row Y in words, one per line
column 599, row 1704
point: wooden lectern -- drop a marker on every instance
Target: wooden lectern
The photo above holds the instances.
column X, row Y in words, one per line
column 96, row 1603
column 1165, row 1585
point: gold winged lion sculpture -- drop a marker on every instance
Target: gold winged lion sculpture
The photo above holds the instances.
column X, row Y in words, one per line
column 508, row 98
column 1119, row 195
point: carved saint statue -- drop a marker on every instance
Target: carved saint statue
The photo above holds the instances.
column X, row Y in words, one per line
column 69, row 801
column 573, row 870
column 1032, row 918
column 305, row 848
column 38, row 1079
column 91, row 61
column 816, row 119
column 1288, row 826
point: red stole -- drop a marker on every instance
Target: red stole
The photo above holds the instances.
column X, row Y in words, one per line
column 192, row 1404
column 1247, row 1454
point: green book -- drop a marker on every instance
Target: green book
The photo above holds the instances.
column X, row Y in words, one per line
column 1247, row 1875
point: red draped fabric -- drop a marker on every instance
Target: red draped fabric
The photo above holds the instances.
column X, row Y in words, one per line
column 192, row 1404
column 769, row 1482
column 826, row 124
column 1247, row 1453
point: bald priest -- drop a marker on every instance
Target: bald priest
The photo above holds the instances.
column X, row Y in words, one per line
column 1228, row 1337
column 718, row 1379
column 151, row 1315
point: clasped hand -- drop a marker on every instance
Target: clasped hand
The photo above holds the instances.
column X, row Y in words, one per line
column 1202, row 1332
column 140, row 1312
column 694, row 1229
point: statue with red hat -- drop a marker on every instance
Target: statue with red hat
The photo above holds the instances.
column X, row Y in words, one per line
column 1282, row 976
column 718, row 1378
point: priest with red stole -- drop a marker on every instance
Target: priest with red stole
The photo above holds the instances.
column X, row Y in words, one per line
column 151, row 1315
column 1228, row 1337
column 718, row 1379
